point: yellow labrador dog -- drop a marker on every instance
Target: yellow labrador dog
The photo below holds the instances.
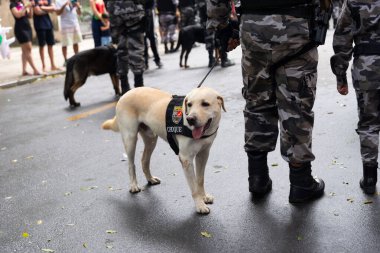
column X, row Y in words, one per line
column 144, row 110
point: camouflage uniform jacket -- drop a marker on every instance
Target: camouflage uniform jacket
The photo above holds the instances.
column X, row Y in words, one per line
column 359, row 23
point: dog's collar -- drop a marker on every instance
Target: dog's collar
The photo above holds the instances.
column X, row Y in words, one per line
column 174, row 123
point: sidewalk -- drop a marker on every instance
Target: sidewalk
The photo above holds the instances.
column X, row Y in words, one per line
column 10, row 69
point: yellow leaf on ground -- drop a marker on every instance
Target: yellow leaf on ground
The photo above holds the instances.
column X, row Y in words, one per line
column 111, row 231
column 48, row 250
column 368, row 202
column 206, row 234
column 25, row 235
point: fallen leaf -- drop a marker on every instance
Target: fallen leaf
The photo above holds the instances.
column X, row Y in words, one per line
column 173, row 174
column 48, row 250
column 68, row 193
column 25, row 235
column 111, row 231
column 368, row 202
column 6, row 198
column 206, row 234
column 84, row 245
column 70, row 224
column 217, row 171
column 3, row 148
column 299, row 238
column 274, row 164
column 39, row 222
column 345, row 182
column 29, row 157
column 350, row 200
column 109, row 246
column 14, row 161
column 88, row 188
column 218, row 166
column 330, row 113
column 110, row 188
column 332, row 194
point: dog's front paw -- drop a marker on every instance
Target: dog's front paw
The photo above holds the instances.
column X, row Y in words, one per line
column 208, row 199
column 202, row 208
column 154, row 181
column 134, row 189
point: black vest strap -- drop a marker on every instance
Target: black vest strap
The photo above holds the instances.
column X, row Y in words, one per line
column 367, row 49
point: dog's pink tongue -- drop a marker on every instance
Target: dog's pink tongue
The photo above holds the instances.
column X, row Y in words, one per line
column 197, row 132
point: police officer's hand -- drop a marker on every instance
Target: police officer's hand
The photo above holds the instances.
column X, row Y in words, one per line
column 228, row 36
column 342, row 88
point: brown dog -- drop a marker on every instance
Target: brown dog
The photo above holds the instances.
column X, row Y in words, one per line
column 143, row 110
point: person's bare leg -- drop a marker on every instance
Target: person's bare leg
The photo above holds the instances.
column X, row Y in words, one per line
column 23, row 59
column 29, row 58
column 51, row 56
column 76, row 48
column 42, row 55
column 64, row 53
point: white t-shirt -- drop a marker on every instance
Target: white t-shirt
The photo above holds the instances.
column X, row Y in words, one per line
column 69, row 16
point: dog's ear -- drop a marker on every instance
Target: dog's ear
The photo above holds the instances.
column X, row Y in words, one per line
column 185, row 104
column 221, row 102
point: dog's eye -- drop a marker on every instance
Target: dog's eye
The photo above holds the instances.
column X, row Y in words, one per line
column 205, row 104
column 189, row 104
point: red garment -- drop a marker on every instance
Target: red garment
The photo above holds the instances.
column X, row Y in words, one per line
column 100, row 7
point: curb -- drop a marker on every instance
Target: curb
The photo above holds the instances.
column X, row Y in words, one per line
column 14, row 83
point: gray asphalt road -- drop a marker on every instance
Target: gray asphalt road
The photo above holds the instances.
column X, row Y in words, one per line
column 63, row 181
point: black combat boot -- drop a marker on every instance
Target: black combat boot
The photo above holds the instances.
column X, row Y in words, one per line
column 225, row 62
column 172, row 46
column 369, row 179
column 259, row 180
column 124, row 84
column 303, row 187
column 139, row 82
column 211, row 58
column 166, row 48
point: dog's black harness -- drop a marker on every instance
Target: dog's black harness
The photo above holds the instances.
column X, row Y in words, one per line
column 174, row 122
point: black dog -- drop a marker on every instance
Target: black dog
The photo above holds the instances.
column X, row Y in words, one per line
column 97, row 61
column 187, row 37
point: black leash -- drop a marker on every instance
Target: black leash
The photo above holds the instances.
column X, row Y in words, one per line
column 215, row 63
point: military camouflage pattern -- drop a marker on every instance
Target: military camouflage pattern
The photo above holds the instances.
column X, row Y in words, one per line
column 168, row 26
column 287, row 96
column 209, row 33
column 359, row 24
column 368, row 125
column 187, row 16
column 127, row 18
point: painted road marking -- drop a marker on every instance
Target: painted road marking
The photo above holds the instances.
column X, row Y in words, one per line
column 91, row 112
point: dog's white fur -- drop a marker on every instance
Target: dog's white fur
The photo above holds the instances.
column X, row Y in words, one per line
column 142, row 110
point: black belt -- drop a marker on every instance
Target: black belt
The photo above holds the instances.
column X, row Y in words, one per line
column 367, row 49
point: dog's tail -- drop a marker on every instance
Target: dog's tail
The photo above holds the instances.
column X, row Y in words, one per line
column 111, row 124
column 179, row 42
column 69, row 78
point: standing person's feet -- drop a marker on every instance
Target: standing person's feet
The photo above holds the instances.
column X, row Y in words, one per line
column 26, row 74
column 54, row 68
column 158, row 64
column 37, row 73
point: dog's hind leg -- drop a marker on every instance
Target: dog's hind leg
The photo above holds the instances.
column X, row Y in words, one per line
column 72, row 91
column 181, row 56
column 130, row 140
column 188, row 168
column 115, row 83
column 186, row 57
column 200, row 166
column 150, row 141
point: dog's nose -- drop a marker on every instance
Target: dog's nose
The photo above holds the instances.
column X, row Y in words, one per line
column 191, row 120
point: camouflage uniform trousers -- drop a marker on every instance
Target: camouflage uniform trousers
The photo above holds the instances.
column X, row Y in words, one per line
column 289, row 100
column 168, row 26
column 187, row 16
column 127, row 30
column 366, row 81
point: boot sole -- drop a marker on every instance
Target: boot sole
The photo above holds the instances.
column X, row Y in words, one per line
column 263, row 191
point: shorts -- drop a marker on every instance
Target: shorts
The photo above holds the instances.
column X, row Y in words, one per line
column 45, row 37
column 70, row 36
column 105, row 40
